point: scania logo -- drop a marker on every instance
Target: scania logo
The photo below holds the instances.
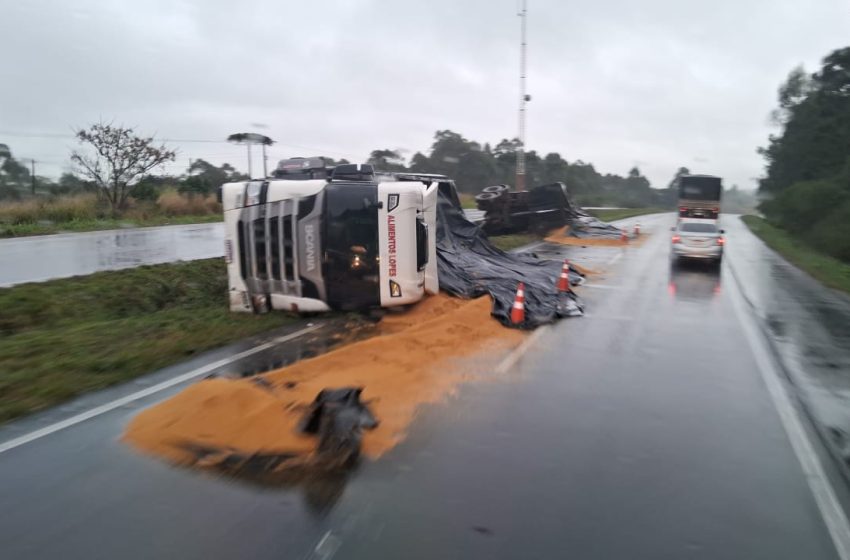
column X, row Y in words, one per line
column 310, row 246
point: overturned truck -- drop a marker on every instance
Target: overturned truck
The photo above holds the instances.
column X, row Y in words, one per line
column 538, row 210
column 315, row 238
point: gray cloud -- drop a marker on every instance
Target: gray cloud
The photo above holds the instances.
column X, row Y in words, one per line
column 657, row 83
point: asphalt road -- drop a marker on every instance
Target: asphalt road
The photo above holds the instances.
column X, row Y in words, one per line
column 647, row 429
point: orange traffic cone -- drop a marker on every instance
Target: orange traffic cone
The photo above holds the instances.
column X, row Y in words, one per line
column 637, row 230
column 518, row 311
column 564, row 280
column 623, row 236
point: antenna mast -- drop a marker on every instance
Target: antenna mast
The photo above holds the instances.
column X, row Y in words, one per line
column 523, row 99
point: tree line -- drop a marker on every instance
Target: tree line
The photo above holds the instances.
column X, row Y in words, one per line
column 118, row 164
column 807, row 180
column 474, row 166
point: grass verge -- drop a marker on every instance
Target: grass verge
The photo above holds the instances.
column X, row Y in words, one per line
column 508, row 242
column 623, row 213
column 829, row 271
column 467, row 201
column 64, row 337
column 46, row 228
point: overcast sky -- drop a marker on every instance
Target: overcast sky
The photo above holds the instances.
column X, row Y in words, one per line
column 657, row 83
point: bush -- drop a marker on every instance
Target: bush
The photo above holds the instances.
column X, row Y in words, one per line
column 172, row 203
column 59, row 209
column 802, row 205
column 831, row 235
column 146, row 191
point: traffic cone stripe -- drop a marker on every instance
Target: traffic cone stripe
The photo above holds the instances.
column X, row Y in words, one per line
column 564, row 281
column 518, row 311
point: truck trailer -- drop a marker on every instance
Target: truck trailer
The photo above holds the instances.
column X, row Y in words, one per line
column 314, row 238
column 699, row 196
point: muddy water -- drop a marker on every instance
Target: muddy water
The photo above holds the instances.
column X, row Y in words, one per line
column 44, row 257
column 39, row 258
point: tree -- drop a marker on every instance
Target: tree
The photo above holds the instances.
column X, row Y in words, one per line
column 792, row 92
column 14, row 176
column 674, row 183
column 806, row 187
column 119, row 160
column 386, row 160
column 815, row 118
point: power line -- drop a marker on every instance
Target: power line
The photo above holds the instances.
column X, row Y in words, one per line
column 15, row 134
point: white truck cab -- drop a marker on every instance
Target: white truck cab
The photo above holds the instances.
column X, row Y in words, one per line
column 315, row 238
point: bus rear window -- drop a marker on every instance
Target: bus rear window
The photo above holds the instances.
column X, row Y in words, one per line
column 698, row 228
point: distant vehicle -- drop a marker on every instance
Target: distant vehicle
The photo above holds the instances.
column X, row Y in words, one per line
column 315, row 238
column 697, row 239
column 699, row 196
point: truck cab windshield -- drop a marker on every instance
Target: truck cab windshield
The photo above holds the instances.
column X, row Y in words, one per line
column 350, row 264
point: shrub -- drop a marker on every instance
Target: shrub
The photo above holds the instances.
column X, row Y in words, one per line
column 802, row 205
column 59, row 209
column 172, row 203
column 831, row 235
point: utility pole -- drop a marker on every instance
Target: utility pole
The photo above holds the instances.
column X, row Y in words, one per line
column 32, row 175
column 523, row 99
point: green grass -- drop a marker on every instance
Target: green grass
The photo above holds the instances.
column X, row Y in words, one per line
column 467, row 201
column 623, row 213
column 44, row 228
column 64, row 337
column 508, row 242
column 829, row 271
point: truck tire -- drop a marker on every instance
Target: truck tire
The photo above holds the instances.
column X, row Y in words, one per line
column 486, row 198
column 498, row 189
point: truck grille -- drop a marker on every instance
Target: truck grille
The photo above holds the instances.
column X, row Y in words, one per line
column 268, row 260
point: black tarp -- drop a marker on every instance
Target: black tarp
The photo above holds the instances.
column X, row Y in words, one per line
column 470, row 266
column 583, row 225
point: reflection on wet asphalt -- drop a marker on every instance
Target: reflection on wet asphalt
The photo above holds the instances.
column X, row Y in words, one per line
column 810, row 325
column 640, row 431
column 694, row 280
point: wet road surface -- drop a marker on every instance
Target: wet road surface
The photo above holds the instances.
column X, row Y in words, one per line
column 810, row 329
column 643, row 430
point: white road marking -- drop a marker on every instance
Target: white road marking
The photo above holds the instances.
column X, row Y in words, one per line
column 827, row 502
column 602, row 287
column 614, row 259
column 512, row 358
column 153, row 389
column 327, row 547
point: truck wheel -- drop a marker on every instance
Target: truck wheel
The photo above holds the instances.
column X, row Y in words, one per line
column 485, row 200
